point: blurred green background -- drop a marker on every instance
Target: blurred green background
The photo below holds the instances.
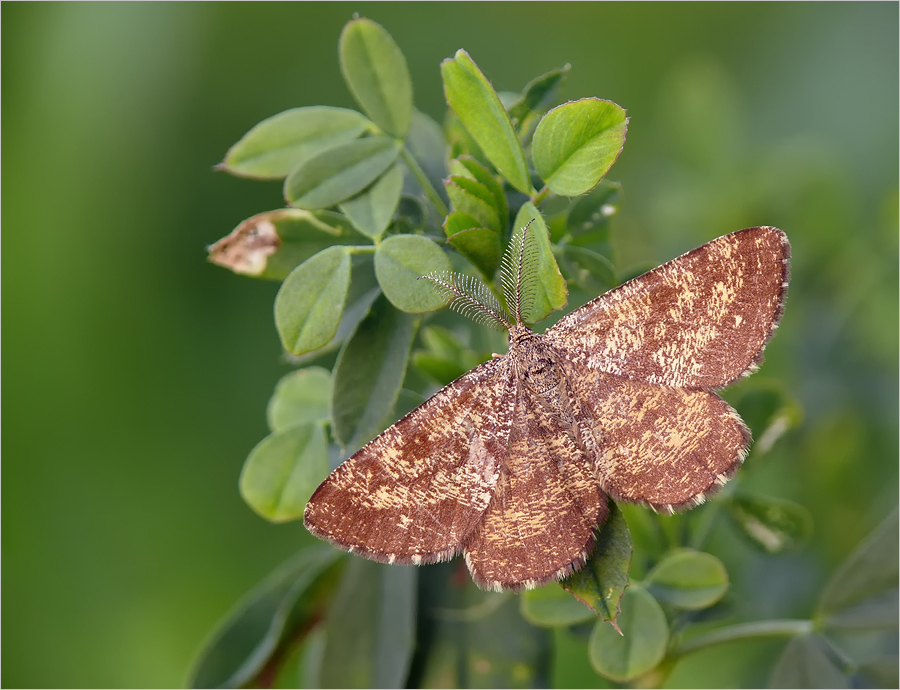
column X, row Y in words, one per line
column 136, row 375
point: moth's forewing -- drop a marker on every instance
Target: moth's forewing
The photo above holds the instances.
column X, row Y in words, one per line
column 414, row 493
column 698, row 321
column 547, row 504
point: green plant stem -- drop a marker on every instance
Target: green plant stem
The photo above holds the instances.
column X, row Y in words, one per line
column 423, row 181
column 362, row 248
column 745, row 631
column 540, row 196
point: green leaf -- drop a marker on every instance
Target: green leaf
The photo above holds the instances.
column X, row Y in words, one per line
column 371, row 211
column 688, row 579
column 537, row 94
column 768, row 409
column 639, row 647
column 804, row 664
column 309, row 304
column 870, row 571
column 602, row 580
column 478, row 107
column 272, row 613
column 445, row 358
column 362, row 292
column 272, row 244
column 476, row 639
column 551, row 606
column 399, row 263
column 576, row 143
column 770, row 524
column 551, row 286
column 459, row 140
column 471, row 167
column 475, row 200
column 588, row 222
column 284, row 469
column 457, row 221
column 277, row 145
column 302, row 396
column 376, row 73
column 588, row 269
column 369, row 372
column 370, row 629
column 480, row 246
column 340, row 172
column 427, row 144
column 440, row 369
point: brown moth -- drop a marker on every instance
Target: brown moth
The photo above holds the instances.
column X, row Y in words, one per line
column 512, row 463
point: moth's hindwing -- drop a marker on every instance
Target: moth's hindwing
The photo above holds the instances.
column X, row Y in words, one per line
column 668, row 448
column 547, row 504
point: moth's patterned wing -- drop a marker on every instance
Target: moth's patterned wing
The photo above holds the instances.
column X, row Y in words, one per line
column 414, row 493
column 698, row 321
column 665, row 447
column 540, row 524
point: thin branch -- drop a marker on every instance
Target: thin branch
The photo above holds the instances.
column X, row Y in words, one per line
column 424, row 182
column 745, row 631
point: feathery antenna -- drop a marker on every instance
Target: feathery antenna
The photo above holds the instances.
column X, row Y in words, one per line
column 471, row 298
column 518, row 274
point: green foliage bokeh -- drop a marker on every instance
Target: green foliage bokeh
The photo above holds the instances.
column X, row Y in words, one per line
column 137, row 375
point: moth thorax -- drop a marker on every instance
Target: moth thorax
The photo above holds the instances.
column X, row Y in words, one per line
column 534, row 360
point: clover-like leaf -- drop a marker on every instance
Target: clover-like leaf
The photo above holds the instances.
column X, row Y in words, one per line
column 469, row 166
column 372, row 210
column 688, row 579
column 428, row 146
column 444, row 358
column 480, row 246
column 309, row 304
column 369, row 372
column 601, row 582
column 870, row 572
column 399, row 263
column 768, row 409
column 588, row 222
column 284, row 469
column 277, row 145
column 551, row 606
column 478, row 107
column 575, row 144
column 377, row 75
column 302, row 396
column 770, row 524
column 639, row 647
column 587, row 268
column 537, row 95
column 475, row 200
column 339, row 173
